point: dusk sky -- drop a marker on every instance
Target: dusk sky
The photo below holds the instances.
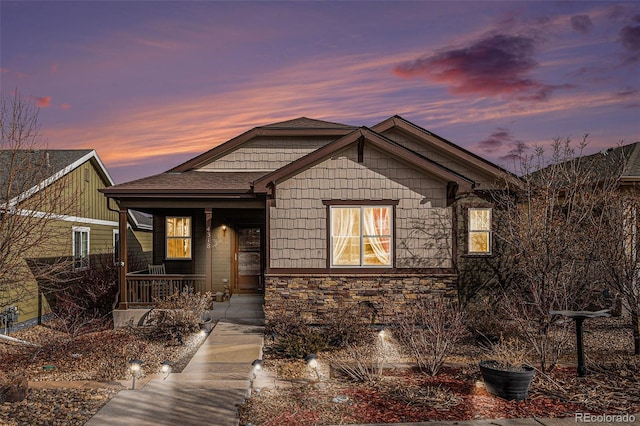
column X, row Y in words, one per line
column 150, row 84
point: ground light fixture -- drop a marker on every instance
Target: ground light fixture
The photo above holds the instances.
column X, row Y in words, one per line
column 135, row 367
column 257, row 365
column 312, row 363
column 166, row 367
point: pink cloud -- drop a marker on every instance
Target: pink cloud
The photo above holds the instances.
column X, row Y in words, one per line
column 54, row 68
column 65, row 106
column 43, row 102
column 495, row 65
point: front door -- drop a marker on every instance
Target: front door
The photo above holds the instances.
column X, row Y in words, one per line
column 249, row 260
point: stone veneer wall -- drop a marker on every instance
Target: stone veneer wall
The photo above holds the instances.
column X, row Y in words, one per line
column 331, row 294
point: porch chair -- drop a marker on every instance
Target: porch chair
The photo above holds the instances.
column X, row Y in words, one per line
column 160, row 289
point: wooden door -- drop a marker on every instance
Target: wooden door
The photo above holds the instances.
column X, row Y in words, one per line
column 249, row 260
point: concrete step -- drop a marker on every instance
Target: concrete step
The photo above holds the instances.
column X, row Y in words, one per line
column 224, row 328
column 236, row 313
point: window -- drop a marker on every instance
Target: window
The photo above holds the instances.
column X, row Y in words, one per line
column 80, row 247
column 178, row 238
column 480, row 231
column 361, row 236
column 116, row 246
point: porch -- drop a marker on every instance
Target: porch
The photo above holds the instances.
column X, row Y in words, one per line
column 145, row 289
column 200, row 250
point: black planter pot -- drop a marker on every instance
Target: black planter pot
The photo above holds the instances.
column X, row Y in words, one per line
column 508, row 384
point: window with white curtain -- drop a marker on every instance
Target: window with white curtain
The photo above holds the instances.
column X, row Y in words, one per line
column 361, row 236
column 178, row 238
column 480, row 231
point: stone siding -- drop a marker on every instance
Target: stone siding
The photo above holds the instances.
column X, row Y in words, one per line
column 383, row 297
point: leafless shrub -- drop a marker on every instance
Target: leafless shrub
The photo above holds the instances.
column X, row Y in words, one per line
column 348, row 326
column 292, row 333
column 178, row 315
column 364, row 363
column 428, row 330
column 507, row 353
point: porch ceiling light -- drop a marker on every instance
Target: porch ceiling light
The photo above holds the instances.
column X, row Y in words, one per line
column 224, row 229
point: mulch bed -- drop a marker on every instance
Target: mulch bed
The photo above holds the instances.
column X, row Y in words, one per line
column 401, row 396
column 457, row 392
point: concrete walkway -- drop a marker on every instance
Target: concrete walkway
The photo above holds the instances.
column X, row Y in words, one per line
column 211, row 387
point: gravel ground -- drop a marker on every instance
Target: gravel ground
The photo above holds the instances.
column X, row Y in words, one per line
column 72, row 378
column 456, row 394
column 59, row 394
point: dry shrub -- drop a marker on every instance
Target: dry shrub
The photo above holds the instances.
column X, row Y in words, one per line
column 364, row 363
column 83, row 300
column 178, row 315
column 487, row 321
column 428, row 331
column 295, row 334
column 348, row 326
column 292, row 333
column 507, row 353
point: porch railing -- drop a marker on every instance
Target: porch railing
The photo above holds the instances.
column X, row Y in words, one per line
column 148, row 289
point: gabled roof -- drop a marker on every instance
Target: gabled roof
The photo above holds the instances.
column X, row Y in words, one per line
column 297, row 127
column 366, row 136
column 424, row 136
column 307, row 123
column 48, row 165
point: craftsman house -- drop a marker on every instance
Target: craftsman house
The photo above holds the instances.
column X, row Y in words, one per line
column 54, row 220
column 317, row 211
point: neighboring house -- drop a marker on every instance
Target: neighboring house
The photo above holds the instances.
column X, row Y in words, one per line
column 326, row 213
column 58, row 190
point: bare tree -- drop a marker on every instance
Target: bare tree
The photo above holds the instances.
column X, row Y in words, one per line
column 621, row 259
column 32, row 198
column 549, row 242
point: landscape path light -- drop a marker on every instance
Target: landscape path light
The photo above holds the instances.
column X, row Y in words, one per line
column 166, row 368
column 135, row 367
column 312, row 363
column 257, row 367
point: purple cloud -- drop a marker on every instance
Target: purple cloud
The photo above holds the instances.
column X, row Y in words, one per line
column 497, row 139
column 581, row 23
column 630, row 40
column 495, row 65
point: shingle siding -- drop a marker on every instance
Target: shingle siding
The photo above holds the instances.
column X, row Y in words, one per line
column 267, row 153
column 299, row 219
column 439, row 157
